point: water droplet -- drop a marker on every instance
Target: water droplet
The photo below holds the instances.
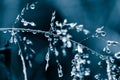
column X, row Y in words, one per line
column 34, row 32
column 32, row 24
column 109, row 43
column 64, row 31
column 117, row 55
column 99, row 63
column 96, row 35
column 79, row 49
column 87, row 72
column 64, row 52
column 24, row 38
column 58, row 32
column 15, row 40
column 25, row 47
column 65, row 21
column 79, row 28
column 103, row 33
column 64, row 39
column 27, row 57
column 88, row 61
column 106, row 49
column 99, row 30
column 33, row 51
column 5, row 31
column 47, row 58
column 22, row 13
column 86, row 32
column 32, row 6
column 47, row 34
column 53, row 18
column 25, row 23
column 60, row 72
column 28, row 42
column 56, row 52
column 30, row 64
column 22, row 30
column 69, row 44
column 11, row 40
column 97, row 76
column 72, row 25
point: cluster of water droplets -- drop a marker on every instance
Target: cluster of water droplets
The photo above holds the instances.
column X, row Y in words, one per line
column 78, row 70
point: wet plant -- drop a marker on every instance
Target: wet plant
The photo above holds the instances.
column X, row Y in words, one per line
column 60, row 33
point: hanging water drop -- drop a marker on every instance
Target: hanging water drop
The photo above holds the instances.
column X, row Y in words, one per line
column 34, row 32
column 5, row 31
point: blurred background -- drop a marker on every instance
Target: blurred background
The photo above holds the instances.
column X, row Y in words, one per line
column 91, row 13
